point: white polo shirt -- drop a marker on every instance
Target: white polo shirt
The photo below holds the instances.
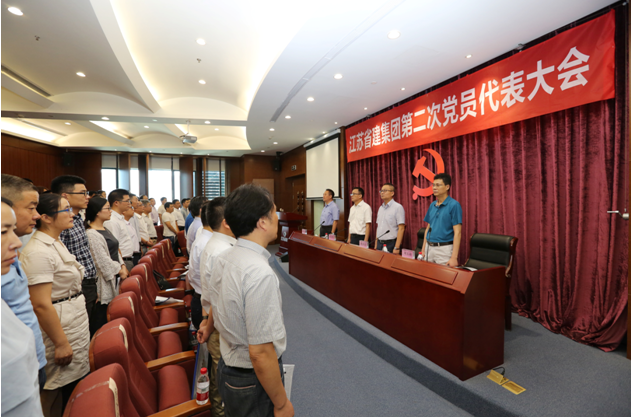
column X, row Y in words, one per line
column 168, row 217
column 117, row 225
column 359, row 216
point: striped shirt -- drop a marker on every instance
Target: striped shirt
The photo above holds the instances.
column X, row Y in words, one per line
column 247, row 304
column 77, row 243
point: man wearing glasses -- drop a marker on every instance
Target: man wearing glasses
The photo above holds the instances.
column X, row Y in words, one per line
column 121, row 229
column 360, row 218
column 390, row 221
column 73, row 189
column 444, row 218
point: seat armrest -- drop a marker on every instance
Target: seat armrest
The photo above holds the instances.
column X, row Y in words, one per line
column 189, row 408
column 175, row 327
column 179, row 262
column 170, row 360
column 173, row 292
column 175, row 306
column 177, row 270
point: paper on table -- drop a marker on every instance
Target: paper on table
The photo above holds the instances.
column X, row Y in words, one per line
column 363, row 244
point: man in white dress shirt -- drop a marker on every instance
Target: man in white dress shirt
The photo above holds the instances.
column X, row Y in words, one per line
column 359, row 219
column 155, row 218
column 117, row 225
column 145, row 239
column 179, row 217
column 162, row 209
column 146, row 218
column 194, row 270
column 195, row 208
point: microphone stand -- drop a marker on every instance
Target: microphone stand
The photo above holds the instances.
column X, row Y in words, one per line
column 314, row 232
column 382, row 235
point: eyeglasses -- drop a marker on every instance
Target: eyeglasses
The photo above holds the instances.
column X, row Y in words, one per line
column 124, row 201
column 69, row 210
column 80, row 192
column 386, row 191
column 352, row 194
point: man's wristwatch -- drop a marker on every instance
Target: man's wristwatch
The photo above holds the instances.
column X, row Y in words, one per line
column 397, row 248
column 204, row 317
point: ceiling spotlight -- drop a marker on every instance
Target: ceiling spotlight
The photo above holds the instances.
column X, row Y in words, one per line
column 275, row 143
column 16, row 11
column 180, row 153
column 207, row 122
column 365, row 108
column 216, row 128
column 402, row 88
column 146, row 127
column 338, row 76
column 310, row 99
column 271, row 129
column 150, row 151
column 200, row 41
column 68, row 123
column 323, row 132
column 468, row 56
column 262, row 151
column 80, row 74
column 202, row 82
column 288, row 117
column 155, row 120
column 105, row 118
column 393, row 34
column 335, row 122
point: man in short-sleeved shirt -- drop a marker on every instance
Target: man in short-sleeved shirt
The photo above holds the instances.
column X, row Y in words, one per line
column 390, row 221
column 120, row 202
column 168, row 220
column 444, row 218
column 330, row 214
column 359, row 219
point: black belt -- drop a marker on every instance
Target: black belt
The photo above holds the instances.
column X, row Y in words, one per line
column 196, row 295
column 129, row 258
column 386, row 241
column 440, row 243
column 246, row 370
column 68, row 298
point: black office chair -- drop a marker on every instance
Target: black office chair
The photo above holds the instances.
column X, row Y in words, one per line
column 420, row 242
column 489, row 251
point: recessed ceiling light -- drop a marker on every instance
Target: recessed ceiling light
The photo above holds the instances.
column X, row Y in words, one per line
column 155, row 120
column 216, row 129
column 180, row 153
column 146, row 127
column 271, row 129
column 262, row 151
column 365, row 108
column 335, row 122
column 80, row 74
column 150, row 151
column 207, row 122
column 402, row 88
column 68, row 123
column 310, row 99
column 202, row 82
column 16, row 11
column 311, row 141
column 275, row 143
column 468, row 56
column 338, row 76
column 200, row 41
column 323, row 132
column 393, row 34
column 114, row 149
column 105, row 118
column 288, row 117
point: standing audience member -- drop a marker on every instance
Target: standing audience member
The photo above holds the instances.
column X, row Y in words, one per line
column 221, row 240
column 145, row 240
column 108, row 260
column 55, row 279
column 72, row 188
column 162, row 209
column 14, row 282
column 170, row 226
column 179, row 217
column 390, row 221
column 20, row 386
column 146, row 218
column 134, row 202
column 155, row 218
column 119, row 203
column 247, row 310
column 185, row 203
column 193, row 269
column 195, row 208
column 128, row 215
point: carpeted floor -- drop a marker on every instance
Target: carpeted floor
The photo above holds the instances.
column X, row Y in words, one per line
column 346, row 367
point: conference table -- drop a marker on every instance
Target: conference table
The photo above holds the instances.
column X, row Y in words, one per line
column 453, row 317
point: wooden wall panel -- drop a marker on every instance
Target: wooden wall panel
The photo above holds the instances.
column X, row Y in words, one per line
column 87, row 165
column 27, row 159
column 186, row 177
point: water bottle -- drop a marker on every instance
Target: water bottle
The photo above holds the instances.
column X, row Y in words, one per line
column 385, row 248
column 203, row 384
column 420, row 257
column 192, row 333
column 194, row 342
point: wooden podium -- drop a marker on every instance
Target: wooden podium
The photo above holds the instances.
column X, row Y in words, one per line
column 453, row 317
column 289, row 222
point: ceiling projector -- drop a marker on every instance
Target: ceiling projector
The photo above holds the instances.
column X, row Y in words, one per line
column 188, row 139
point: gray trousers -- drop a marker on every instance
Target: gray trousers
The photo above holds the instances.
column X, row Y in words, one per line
column 438, row 254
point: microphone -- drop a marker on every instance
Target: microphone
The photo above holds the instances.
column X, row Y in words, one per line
column 314, row 231
column 382, row 235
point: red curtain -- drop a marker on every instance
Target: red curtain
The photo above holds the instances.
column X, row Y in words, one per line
column 548, row 181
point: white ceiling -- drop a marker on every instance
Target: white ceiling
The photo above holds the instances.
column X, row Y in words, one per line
column 261, row 61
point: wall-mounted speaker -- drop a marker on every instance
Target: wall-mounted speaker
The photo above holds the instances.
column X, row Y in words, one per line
column 276, row 163
column 67, row 159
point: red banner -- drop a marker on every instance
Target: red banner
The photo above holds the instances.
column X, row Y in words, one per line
column 571, row 69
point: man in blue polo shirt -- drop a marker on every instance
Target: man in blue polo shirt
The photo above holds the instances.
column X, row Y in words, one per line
column 330, row 214
column 444, row 218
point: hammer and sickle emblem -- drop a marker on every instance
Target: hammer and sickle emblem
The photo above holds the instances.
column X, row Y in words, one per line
column 420, row 169
column 284, row 233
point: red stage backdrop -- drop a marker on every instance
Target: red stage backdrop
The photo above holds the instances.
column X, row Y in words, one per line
column 573, row 68
column 549, row 181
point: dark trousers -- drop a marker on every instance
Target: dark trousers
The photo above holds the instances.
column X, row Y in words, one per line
column 242, row 393
column 88, row 286
column 42, row 378
column 196, row 310
column 389, row 244
column 136, row 257
column 325, row 229
column 99, row 317
column 356, row 238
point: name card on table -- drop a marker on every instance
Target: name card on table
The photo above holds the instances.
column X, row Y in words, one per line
column 363, row 244
column 304, row 231
column 407, row 253
column 332, row 237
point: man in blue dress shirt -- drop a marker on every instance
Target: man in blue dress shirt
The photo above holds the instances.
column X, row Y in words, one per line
column 444, row 218
column 24, row 197
column 330, row 214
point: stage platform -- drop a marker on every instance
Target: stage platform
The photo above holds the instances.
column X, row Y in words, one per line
column 347, row 367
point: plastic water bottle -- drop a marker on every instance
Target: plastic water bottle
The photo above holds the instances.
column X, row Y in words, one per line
column 194, row 341
column 192, row 336
column 203, row 384
column 420, row 257
column 385, row 248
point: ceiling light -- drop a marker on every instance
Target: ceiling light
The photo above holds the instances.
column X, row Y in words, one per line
column 288, row 117
column 68, row 123
column 115, row 149
column 16, row 11
column 323, row 132
column 271, row 129
column 393, row 34
column 146, row 127
column 262, row 151
column 150, row 151
column 105, row 118
column 80, row 74
column 155, row 120
column 468, row 56
column 335, row 122
column 310, row 99
column 207, row 122
column 402, row 88
column 311, row 141
column 202, row 82
column 216, row 129
column 200, row 41
column 365, row 108
column 338, row 76
column 275, row 143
